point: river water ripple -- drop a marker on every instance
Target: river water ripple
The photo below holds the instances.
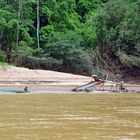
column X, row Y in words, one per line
column 70, row 117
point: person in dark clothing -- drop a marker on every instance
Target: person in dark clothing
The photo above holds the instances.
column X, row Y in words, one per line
column 26, row 89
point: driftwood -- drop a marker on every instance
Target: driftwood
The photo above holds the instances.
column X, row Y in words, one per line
column 115, row 86
column 87, row 87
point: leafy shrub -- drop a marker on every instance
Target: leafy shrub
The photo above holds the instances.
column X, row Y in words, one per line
column 38, row 52
column 2, row 56
column 66, row 47
column 75, row 60
column 41, row 63
column 18, row 53
column 129, row 60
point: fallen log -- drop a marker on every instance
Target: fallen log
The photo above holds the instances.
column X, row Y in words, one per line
column 88, row 87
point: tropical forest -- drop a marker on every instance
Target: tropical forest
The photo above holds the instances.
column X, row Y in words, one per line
column 74, row 36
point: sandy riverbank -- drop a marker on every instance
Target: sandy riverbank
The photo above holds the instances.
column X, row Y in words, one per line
column 44, row 80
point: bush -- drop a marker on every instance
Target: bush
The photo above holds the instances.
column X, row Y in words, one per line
column 68, row 48
column 75, row 60
column 18, row 53
column 38, row 52
column 41, row 63
column 129, row 60
column 2, row 56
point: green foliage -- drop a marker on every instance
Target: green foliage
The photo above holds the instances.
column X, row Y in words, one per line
column 67, row 48
column 2, row 64
column 86, row 8
column 67, row 29
column 19, row 51
column 129, row 60
column 24, row 49
column 117, row 29
column 41, row 63
column 89, row 36
column 2, row 56
column 8, row 22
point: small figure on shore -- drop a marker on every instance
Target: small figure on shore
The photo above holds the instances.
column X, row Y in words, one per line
column 26, row 89
column 121, row 86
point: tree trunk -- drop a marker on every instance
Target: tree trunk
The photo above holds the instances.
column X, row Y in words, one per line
column 1, row 34
column 18, row 26
column 9, row 54
column 88, row 85
column 38, row 24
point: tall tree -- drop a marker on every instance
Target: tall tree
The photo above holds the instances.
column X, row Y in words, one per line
column 20, row 5
column 38, row 24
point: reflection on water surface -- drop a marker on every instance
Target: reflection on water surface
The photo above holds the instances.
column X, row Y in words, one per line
column 70, row 117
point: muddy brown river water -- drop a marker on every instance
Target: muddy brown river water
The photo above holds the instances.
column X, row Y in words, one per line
column 70, row 117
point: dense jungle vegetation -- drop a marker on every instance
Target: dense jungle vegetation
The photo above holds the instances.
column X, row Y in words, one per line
column 77, row 36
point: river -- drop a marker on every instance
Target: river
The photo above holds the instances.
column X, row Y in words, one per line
column 70, row 116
